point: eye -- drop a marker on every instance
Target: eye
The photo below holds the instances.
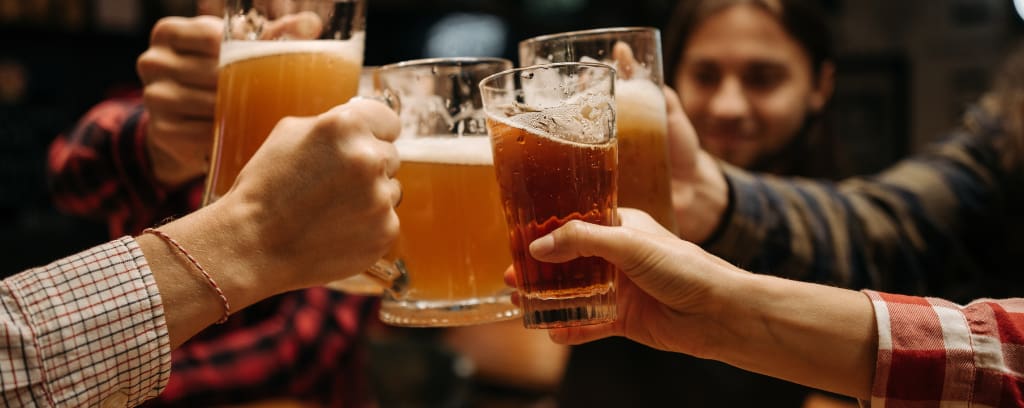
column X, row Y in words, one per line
column 705, row 76
column 764, row 77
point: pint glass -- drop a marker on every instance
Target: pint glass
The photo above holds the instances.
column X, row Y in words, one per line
column 279, row 58
column 642, row 125
column 452, row 247
column 552, row 131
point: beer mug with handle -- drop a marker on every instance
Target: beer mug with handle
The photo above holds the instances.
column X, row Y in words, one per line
column 642, row 123
column 452, row 249
column 281, row 58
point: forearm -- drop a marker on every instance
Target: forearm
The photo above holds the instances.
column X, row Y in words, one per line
column 819, row 336
column 902, row 230
column 190, row 302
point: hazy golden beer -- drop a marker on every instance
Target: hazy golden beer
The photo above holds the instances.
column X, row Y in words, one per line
column 261, row 82
column 555, row 158
column 453, row 235
column 453, row 246
column 644, row 179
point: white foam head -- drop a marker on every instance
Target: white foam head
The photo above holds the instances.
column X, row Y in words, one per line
column 639, row 103
column 350, row 49
column 470, row 151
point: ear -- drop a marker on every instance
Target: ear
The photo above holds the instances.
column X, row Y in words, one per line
column 823, row 87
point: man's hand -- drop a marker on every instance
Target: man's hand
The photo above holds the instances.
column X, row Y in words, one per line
column 179, row 71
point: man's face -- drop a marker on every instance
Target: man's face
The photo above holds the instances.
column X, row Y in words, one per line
column 746, row 84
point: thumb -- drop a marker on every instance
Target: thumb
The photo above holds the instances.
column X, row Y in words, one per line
column 577, row 239
column 623, row 54
column 683, row 144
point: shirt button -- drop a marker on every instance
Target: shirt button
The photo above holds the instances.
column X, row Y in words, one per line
column 117, row 399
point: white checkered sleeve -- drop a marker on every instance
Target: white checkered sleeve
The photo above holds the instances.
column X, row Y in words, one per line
column 86, row 330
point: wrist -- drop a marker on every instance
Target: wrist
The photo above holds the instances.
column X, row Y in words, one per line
column 167, row 172
column 700, row 201
column 221, row 239
column 816, row 335
column 732, row 315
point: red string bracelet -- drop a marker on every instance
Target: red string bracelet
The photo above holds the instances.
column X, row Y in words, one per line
column 216, row 288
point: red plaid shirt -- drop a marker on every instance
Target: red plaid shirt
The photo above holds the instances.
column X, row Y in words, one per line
column 934, row 353
column 300, row 345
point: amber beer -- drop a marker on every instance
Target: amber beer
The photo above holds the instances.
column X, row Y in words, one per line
column 261, row 82
column 545, row 182
column 453, row 234
column 644, row 180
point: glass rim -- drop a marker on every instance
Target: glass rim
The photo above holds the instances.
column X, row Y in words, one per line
column 484, row 82
column 443, row 61
column 591, row 32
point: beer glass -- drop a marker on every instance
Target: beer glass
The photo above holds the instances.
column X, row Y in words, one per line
column 552, row 131
column 452, row 248
column 642, row 124
column 279, row 58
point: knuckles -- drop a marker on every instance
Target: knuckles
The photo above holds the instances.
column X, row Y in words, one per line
column 165, row 30
column 151, row 63
column 338, row 121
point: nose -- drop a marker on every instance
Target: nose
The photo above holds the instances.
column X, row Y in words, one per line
column 729, row 100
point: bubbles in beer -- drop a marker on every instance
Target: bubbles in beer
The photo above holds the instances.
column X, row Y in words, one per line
column 588, row 119
column 640, row 104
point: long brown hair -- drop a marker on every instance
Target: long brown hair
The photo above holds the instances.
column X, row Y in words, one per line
column 1006, row 102
column 814, row 150
column 802, row 19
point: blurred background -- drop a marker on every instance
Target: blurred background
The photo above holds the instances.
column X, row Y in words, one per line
column 906, row 71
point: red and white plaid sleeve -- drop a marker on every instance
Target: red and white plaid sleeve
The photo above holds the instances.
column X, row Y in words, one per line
column 86, row 330
column 934, row 353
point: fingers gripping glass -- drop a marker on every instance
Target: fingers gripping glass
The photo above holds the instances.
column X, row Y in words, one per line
column 282, row 58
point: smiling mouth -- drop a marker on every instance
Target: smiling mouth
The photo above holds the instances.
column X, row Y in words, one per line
column 727, row 138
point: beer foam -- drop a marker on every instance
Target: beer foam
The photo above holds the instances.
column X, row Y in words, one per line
column 469, row 151
column 581, row 121
column 234, row 51
column 639, row 103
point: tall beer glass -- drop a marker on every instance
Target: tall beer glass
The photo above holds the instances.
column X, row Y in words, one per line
column 453, row 244
column 552, row 130
column 279, row 58
column 641, row 120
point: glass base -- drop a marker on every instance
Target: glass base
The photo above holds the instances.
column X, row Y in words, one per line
column 446, row 313
column 361, row 284
column 554, row 312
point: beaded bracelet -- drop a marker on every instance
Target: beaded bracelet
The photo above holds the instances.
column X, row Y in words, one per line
column 213, row 284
